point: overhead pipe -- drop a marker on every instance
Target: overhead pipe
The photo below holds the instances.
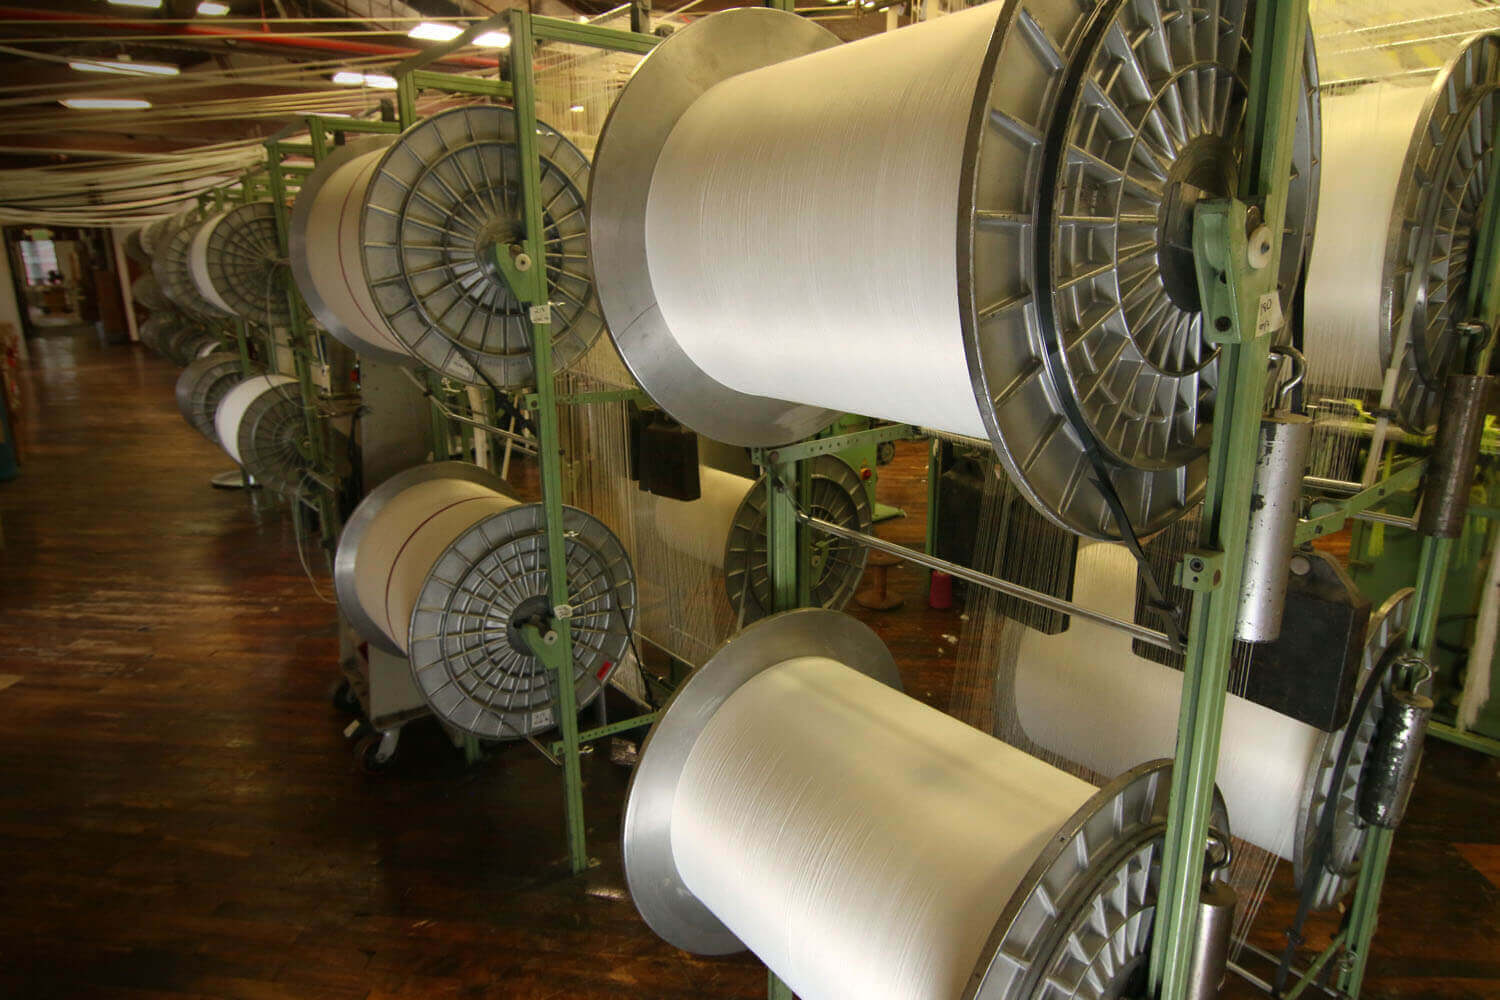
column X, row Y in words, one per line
column 249, row 37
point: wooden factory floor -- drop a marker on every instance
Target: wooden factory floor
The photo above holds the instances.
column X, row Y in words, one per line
column 180, row 817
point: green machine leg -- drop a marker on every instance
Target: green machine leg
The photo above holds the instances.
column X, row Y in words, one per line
column 1432, row 576
column 1233, row 294
column 549, row 449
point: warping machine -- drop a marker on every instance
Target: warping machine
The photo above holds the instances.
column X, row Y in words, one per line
column 1075, row 232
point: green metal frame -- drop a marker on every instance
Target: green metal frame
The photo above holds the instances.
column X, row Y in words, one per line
column 531, row 288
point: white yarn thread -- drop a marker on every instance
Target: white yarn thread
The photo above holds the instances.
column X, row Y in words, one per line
column 399, row 546
column 1084, row 695
column 860, row 843
column 235, row 404
column 806, row 250
column 1482, row 653
column 1366, row 133
column 700, row 528
column 332, row 245
column 198, row 262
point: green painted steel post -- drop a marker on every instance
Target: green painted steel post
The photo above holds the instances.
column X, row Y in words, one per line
column 1233, row 294
column 1427, row 602
column 549, row 448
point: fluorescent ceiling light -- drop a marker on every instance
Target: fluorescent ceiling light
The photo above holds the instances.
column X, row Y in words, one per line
column 583, row 19
column 380, row 81
column 576, row 107
column 210, row 9
column 346, row 78
column 148, row 4
column 493, row 40
column 432, row 31
column 128, row 68
column 105, row 103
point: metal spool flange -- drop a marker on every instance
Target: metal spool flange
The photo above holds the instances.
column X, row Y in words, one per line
column 345, row 561
column 837, row 495
column 1387, row 635
column 1089, row 141
column 134, row 250
column 241, row 257
column 150, row 234
column 1080, row 313
column 1079, row 925
column 171, row 267
column 443, row 199
column 1432, row 233
column 468, row 656
column 271, row 433
column 202, row 385
column 154, row 327
column 187, row 344
column 147, row 293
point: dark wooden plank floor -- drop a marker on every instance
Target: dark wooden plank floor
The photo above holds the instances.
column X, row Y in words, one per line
column 179, row 816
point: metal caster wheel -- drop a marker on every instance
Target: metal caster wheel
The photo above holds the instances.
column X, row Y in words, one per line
column 376, row 750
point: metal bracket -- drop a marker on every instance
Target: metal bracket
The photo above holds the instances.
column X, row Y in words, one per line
column 1200, row 571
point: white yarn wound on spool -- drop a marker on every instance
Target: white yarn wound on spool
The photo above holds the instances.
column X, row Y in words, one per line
column 882, row 335
column 398, row 549
column 1084, row 695
column 198, row 262
column 236, row 402
column 1347, row 307
column 333, row 253
column 700, row 528
column 881, row 837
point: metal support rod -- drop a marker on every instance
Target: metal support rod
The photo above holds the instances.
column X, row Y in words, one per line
column 977, row 578
column 1234, row 294
column 549, row 447
column 525, row 443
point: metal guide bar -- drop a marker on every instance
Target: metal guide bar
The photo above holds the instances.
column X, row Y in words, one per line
column 1329, row 516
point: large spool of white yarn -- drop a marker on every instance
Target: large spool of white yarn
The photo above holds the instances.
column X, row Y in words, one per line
column 1084, row 695
column 229, row 418
column 1405, row 173
column 943, row 225
column 726, row 528
column 325, row 251
column 395, row 242
column 442, row 564
column 414, row 529
column 700, row 528
column 891, row 851
column 235, row 262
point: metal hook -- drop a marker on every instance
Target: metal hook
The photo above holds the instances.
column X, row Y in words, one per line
column 1212, row 866
column 1299, row 372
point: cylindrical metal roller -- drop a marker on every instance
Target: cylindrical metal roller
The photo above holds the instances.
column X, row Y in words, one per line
column 399, row 240
column 442, row 564
column 172, row 268
column 1210, row 963
column 974, row 224
column 260, row 425
column 895, row 851
column 236, row 264
column 1455, row 455
column 727, row 525
column 1280, row 465
column 1085, row 695
column 202, row 386
column 1406, row 172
